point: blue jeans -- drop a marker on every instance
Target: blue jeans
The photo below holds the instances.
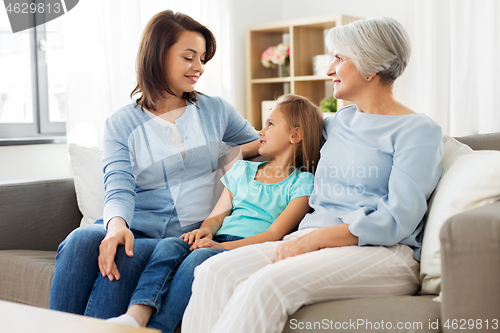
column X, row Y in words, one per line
column 165, row 283
column 78, row 286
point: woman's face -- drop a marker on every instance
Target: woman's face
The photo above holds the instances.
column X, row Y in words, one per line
column 346, row 78
column 185, row 62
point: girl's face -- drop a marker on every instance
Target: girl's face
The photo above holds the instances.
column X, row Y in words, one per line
column 275, row 138
column 346, row 78
column 185, row 62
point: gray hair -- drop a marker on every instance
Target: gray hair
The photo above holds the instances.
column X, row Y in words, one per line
column 375, row 45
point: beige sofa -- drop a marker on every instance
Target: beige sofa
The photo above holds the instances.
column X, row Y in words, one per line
column 36, row 216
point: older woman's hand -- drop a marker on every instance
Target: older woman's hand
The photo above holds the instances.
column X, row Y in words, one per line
column 301, row 245
column 332, row 236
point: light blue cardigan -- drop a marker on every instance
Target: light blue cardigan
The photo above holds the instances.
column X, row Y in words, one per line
column 376, row 173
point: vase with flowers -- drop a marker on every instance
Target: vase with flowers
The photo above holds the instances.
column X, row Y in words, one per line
column 277, row 56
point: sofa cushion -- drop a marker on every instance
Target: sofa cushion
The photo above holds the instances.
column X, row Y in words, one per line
column 470, row 179
column 37, row 215
column 416, row 312
column 490, row 141
column 26, row 276
column 89, row 185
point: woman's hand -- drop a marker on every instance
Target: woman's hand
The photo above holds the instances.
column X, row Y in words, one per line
column 333, row 236
column 195, row 235
column 301, row 245
column 118, row 234
column 206, row 243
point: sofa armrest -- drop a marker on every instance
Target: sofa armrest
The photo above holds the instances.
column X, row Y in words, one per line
column 37, row 215
column 470, row 263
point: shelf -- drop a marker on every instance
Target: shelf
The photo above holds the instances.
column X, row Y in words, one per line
column 289, row 79
column 312, row 78
column 273, row 80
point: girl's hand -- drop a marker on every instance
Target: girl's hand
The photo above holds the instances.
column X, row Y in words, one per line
column 206, row 243
column 301, row 245
column 118, row 234
column 195, row 235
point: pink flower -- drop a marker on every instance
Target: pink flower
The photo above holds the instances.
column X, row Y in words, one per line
column 268, row 53
column 278, row 59
column 275, row 55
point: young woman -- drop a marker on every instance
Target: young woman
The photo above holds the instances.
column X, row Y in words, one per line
column 161, row 156
column 261, row 202
column 378, row 166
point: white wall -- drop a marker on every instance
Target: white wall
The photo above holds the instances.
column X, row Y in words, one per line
column 360, row 8
column 247, row 13
column 34, row 162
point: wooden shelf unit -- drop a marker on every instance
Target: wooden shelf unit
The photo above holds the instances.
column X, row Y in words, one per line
column 306, row 39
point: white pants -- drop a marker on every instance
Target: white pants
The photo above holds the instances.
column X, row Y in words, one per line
column 244, row 291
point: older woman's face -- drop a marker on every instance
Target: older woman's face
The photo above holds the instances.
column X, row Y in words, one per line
column 346, row 78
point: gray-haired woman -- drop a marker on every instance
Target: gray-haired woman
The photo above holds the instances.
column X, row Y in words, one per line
column 378, row 167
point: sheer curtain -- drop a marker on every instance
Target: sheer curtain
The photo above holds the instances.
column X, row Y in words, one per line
column 455, row 63
column 101, row 39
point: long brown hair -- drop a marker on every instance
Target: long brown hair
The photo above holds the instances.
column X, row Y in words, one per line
column 302, row 113
column 161, row 32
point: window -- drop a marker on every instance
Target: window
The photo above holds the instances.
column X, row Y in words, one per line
column 33, row 89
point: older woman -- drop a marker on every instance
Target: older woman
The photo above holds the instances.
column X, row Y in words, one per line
column 378, row 167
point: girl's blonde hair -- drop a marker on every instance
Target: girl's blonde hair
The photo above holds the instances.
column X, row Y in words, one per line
column 302, row 113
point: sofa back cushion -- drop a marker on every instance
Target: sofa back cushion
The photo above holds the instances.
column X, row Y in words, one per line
column 470, row 179
column 89, row 183
column 37, row 215
column 490, row 141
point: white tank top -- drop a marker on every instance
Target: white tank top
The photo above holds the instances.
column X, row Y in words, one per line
column 175, row 135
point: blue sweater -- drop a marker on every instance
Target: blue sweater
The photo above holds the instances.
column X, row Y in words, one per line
column 376, row 173
column 149, row 184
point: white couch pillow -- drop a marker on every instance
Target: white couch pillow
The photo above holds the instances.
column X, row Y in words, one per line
column 89, row 185
column 470, row 179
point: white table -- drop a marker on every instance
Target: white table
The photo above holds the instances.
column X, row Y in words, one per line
column 19, row 318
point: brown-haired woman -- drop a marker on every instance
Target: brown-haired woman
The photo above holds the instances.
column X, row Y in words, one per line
column 161, row 156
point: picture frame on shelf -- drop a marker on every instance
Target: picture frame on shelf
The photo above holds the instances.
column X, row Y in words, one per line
column 267, row 106
column 321, row 63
